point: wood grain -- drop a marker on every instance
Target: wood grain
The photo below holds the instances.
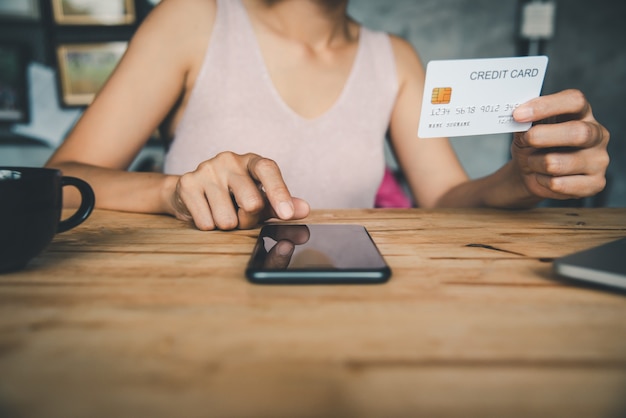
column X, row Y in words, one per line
column 136, row 315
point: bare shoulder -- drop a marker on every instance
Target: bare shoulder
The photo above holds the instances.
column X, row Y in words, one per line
column 187, row 12
column 179, row 26
column 408, row 62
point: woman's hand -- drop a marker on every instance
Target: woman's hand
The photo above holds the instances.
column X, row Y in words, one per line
column 235, row 191
column 565, row 159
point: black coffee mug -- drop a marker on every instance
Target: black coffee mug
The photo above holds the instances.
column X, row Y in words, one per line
column 31, row 200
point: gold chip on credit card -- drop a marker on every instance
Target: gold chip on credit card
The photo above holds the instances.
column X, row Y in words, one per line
column 441, row 95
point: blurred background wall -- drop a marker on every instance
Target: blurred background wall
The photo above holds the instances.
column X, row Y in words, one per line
column 587, row 52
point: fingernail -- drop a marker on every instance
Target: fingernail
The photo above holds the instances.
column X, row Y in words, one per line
column 523, row 114
column 285, row 210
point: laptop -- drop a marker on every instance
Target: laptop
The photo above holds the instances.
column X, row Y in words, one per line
column 604, row 264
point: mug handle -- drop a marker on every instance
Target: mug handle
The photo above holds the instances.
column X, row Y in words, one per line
column 87, row 203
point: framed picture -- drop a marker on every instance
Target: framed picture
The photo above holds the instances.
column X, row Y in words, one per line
column 13, row 87
column 19, row 10
column 94, row 12
column 84, row 68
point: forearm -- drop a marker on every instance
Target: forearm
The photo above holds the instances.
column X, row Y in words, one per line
column 121, row 190
column 502, row 189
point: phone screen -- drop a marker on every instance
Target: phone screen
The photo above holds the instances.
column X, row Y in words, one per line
column 316, row 253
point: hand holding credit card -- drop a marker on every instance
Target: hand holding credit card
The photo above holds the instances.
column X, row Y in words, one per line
column 478, row 96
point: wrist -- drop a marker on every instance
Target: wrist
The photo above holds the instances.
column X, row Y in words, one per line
column 508, row 189
column 168, row 193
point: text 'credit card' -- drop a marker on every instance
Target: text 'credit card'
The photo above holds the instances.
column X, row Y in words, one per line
column 478, row 96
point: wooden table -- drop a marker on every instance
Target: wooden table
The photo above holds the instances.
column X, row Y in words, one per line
column 143, row 316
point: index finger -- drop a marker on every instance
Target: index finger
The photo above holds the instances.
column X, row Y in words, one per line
column 266, row 172
column 568, row 102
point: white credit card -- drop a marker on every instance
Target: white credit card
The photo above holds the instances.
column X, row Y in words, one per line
column 478, row 96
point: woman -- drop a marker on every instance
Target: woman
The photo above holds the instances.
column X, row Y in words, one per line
column 269, row 99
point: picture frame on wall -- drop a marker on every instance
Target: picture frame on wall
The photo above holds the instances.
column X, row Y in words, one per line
column 14, row 106
column 22, row 10
column 94, row 12
column 84, row 68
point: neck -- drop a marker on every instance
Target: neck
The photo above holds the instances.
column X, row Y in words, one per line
column 317, row 23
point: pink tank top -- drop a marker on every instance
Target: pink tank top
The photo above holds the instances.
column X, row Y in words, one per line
column 333, row 161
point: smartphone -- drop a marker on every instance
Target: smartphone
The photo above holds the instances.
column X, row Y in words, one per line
column 316, row 254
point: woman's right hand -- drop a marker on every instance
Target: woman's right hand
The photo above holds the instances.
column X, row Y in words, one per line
column 235, row 191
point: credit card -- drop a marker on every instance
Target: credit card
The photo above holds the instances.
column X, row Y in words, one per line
column 478, row 96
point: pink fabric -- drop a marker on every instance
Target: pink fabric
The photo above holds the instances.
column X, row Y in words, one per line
column 390, row 193
column 333, row 161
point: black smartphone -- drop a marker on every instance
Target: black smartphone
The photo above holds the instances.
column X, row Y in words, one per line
column 316, row 254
